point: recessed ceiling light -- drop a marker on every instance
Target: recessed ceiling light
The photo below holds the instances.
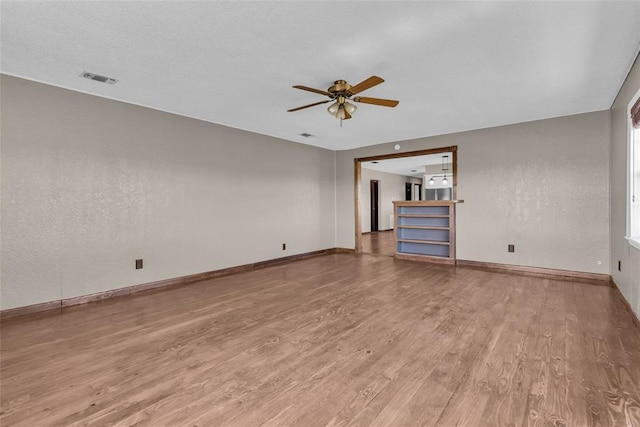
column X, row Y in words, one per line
column 306, row 135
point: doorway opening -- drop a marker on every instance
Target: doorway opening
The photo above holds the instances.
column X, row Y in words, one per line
column 414, row 175
column 375, row 202
column 417, row 191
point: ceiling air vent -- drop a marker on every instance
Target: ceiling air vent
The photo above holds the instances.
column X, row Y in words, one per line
column 98, row 78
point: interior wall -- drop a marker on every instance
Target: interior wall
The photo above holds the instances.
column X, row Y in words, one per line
column 542, row 186
column 628, row 278
column 391, row 187
column 89, row 185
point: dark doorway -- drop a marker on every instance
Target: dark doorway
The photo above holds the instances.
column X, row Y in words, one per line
column 374, row 206
column 407, row 191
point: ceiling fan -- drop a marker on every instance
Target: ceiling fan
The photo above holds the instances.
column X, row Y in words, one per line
column 341, row 92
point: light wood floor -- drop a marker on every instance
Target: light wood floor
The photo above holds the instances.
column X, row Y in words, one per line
column 333, row 340
column 379, row 243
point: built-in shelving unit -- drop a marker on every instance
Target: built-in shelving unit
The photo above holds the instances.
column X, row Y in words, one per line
column 425, row 230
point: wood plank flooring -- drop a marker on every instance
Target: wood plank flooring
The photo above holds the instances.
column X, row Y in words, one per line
column 331, row 341
column 379, row 243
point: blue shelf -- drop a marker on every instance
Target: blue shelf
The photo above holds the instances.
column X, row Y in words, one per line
column 424, row 229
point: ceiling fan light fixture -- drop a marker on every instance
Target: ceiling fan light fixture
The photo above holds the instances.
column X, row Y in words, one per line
column 350, row 107
column 341, row 92
column 333, row 109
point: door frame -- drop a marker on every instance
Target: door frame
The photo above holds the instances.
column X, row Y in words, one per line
column 358, row 179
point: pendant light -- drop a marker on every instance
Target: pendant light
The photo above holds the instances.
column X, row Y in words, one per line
column 445, row 169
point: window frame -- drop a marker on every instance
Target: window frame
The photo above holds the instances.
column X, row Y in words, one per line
column 633, row 144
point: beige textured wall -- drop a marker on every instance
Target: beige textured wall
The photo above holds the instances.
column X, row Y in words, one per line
column 543, row 186
column 89, row 185
column 628, row 279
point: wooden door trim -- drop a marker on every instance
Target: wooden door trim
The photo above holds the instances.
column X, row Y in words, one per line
column 357, row 168
column 358, row 179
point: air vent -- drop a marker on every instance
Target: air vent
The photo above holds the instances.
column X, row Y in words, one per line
column 98, row 78
column 306, row 135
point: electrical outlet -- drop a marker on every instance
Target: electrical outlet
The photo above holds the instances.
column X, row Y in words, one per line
column 511, row 248
column 138, row 264
column 284, row 246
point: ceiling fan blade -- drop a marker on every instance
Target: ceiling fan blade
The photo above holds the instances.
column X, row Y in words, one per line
column 376, row 101
column 310, row 89
column 310, row 105
column 366, row 84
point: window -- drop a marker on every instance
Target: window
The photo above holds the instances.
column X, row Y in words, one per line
column 633, row 223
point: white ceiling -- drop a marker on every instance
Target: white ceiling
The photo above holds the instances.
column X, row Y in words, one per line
column 406, row 166
column 454, row 66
